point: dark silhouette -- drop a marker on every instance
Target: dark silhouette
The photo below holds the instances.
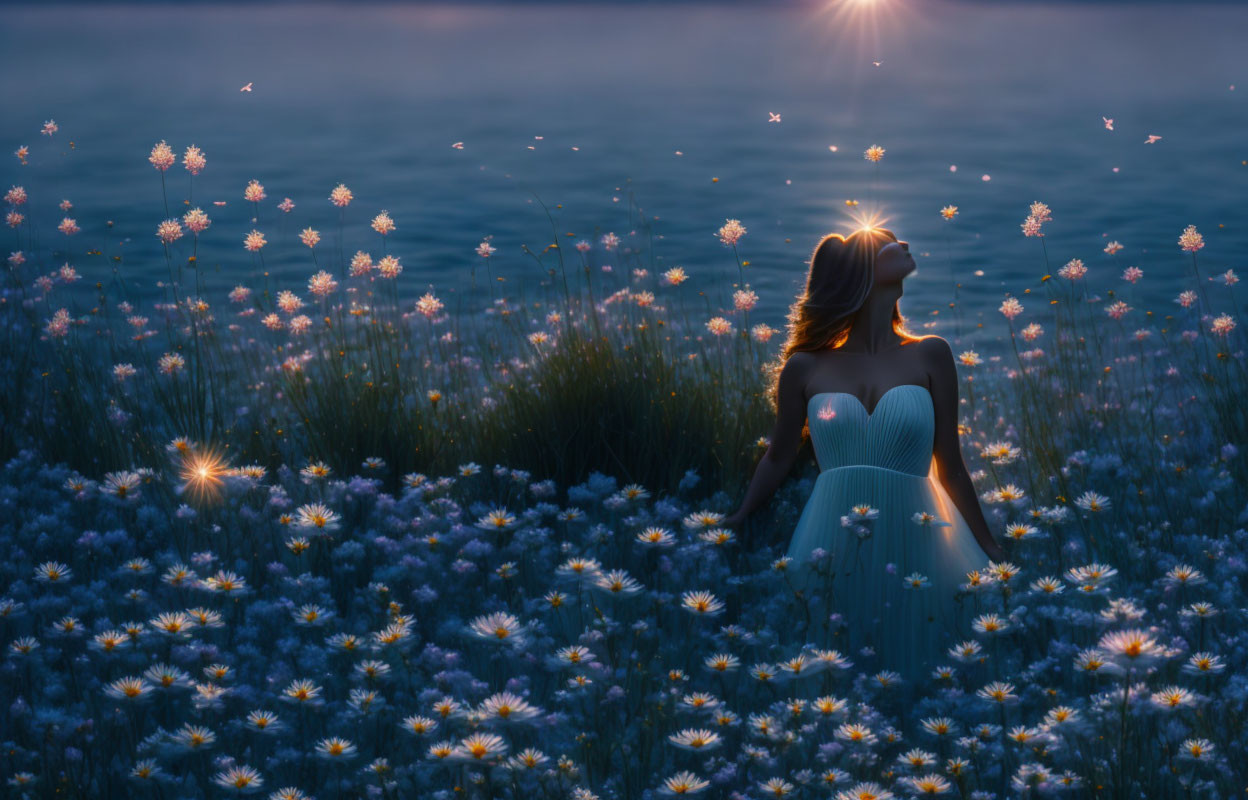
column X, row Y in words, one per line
column 847, row 335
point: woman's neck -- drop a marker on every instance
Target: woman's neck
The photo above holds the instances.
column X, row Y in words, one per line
column 872, row 330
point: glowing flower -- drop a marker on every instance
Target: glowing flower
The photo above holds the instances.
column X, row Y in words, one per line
column 480, row 747
column 855, row 733
column 929, row 520
column 254, row 241
column 702, row 604
column 334, row 748
column 1172, row 697
column 1091, row 501
column 254, row 192
column 169, row 231
column 194, row 737
column 1117, row 309
column 1183, row 575
column 196, row 220
column 675, row 276
column 998, row 692
column 744, row 299
column 1073, row 270
column 383, row 224
column 874, row 153
column 731, row 232
column 762, row 333
column 949, row 212
column 225, row 582
column 303, row 692
column 193, row 159
column 322, row 284
column 340, row 196
column 927, row 784
column 915, row 580
column 1131, row 647
column 1196, row 750
column 318, row 516
column 509, row 706
column 429, row 305
column 361, row 263
column 990, row 624
column 1011, row 308
column 131, row 688
column 1191, row 240
column 498, row 519
column 1204, row 663
column 683, row 783
column 776, row 787
column 695, row 739
column 162, row 157
column 1000, row 452
column 865, row 791
column 617, row 582
column 240, row 779
column 498, row 627
column 389, row 267
column 1222, row 325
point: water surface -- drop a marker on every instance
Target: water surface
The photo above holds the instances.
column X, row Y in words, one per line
column 375, row 97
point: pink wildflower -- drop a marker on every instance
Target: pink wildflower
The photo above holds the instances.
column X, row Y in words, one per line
column 341, row 196
column 1191, row 240
column 731, row 232
column 254, row 192
column 169, row 231
column 193, row 159
column 162, row 157
column 196, row 220
column 1011, row 308
column 1117, row 310
column 383, row 224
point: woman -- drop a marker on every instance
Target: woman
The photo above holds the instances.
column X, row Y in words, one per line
column 890, row 550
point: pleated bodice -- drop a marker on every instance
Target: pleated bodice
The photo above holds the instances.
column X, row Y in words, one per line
column 898, row 434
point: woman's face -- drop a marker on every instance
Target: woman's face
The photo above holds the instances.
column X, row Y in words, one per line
column 893, row 262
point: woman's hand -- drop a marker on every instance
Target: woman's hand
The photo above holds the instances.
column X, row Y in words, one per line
column 734, row 520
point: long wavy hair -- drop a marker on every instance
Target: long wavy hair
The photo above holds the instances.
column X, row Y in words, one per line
column 842, row 270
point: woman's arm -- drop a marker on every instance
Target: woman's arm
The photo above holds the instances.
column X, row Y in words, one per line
column 948, row 453
column 785, row 438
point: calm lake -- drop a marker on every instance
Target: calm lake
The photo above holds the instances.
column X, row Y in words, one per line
column 581, row 106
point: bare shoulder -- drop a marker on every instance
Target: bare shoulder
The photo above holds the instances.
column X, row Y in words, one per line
column 796, row 371
column 934, row 351
column 800, row 362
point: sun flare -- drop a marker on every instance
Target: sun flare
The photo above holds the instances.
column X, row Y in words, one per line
column 202, row 475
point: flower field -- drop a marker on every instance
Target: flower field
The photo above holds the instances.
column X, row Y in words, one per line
column 321, row 540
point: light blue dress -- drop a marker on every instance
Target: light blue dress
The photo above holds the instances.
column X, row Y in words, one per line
column 883, row 460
